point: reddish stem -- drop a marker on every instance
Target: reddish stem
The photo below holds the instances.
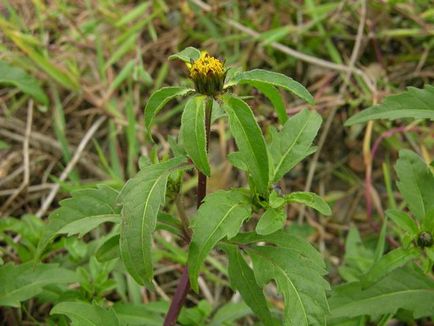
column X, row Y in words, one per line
column 183, row 287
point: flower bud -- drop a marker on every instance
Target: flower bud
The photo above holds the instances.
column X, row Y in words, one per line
column 424, row 239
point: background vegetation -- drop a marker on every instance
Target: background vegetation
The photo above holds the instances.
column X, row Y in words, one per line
column 72, row 117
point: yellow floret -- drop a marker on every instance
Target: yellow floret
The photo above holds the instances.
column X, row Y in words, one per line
column 206, row 65
column 208, row 74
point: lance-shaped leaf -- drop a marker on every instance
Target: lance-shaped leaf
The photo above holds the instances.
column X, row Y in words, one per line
column 220, row 216
column 416, row 183
column 187, row 55
column 243, row 279
column 297, row 269
column 271, row 221
column 275, row 79
column 22, row 282
column 309, row 199
column 298, row 279
column 193, row 133
column 414, row 103
column 272, row 93
column 250, row 141
column 141, row 198
column 158, row 100
column 85, row 210
column 389, row 262
column 402, row 220
column 86, row 314
column 293, row 143
column 404, row 288
column 17, row 77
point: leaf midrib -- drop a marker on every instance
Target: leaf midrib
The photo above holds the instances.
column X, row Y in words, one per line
column 282, row 159
column 289, row 280
column 216, row 228
column 258, row 163
column 397, row 293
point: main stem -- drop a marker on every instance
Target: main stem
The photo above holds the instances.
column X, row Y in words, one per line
column 184, row 282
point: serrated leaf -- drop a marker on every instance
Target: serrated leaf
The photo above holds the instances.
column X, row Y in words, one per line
column 404, row 288
column 141, row 198
column 193, row 133
column 416, row 183
column 249, row 139
column 86, row 314
column 298, row 279
column 243, row 279
column 187, row 55
column 310, row 199
column 297, row 269
column 24, row 281
column 283, row 239
column 402, row 220
column 159, row 99
column 272, row 93
column 17, row 77
column 86, row 224
column 294, row 142
column 414, row 103
column 271, row 221
column 87, row 205
column 387, row 263
column 275, row 79
column 220, row 216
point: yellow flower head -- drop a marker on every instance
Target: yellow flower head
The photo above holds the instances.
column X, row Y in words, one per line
column 208, row 74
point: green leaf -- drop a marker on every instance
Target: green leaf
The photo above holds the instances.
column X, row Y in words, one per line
column 220, row 216
column 310, row 199
column 272, row 220
column 293, row 143
column 109, row 249
column 86, row 209
column 229, row 313
column 298, row 277
column 387, row 263
column 249, row 139
column 243, row 279
column 414, row 103
column 416, row 183
column 193, row 133
column 283, row 239
column 402, row 220
column 187, row 55
column 158, row 100
column 297, row 269
column 141, row 198
column 86, row 224
column 275, row 79
column 86, row 314
column 272, row 93
column 138, row 314
column 17, row 77
column 24, row 281
column 404, row 288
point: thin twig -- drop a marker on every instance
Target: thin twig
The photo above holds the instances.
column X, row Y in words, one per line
column 87, row 137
